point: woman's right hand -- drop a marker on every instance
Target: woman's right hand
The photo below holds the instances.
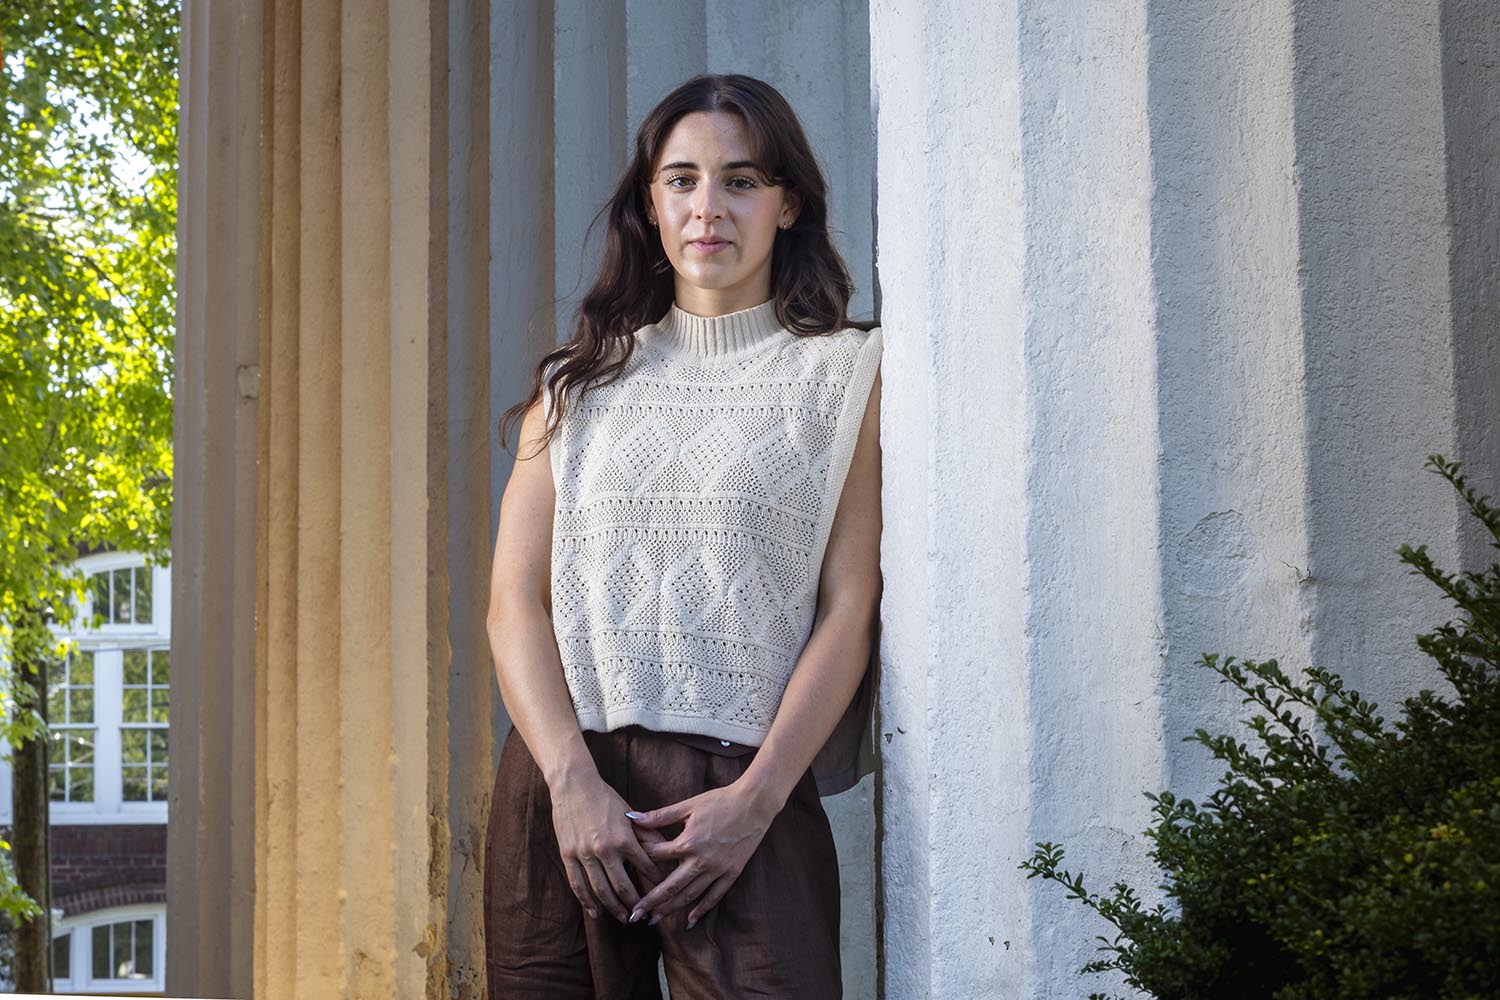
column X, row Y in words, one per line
column 597, row 841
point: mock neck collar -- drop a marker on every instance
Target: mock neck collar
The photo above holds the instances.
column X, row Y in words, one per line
column 718, row 338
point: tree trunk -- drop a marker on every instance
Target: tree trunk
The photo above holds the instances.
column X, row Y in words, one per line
column 29, row 836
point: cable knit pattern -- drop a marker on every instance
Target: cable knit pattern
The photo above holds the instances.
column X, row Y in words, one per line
column 694, row 500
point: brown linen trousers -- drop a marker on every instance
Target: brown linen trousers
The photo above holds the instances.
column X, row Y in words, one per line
column 774, row 934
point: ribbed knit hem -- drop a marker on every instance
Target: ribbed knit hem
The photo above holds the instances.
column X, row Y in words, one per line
column 668, row 722
column 718, row 338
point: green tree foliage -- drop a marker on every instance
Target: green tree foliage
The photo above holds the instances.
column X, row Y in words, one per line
column 88, row 205
column 1362, row 863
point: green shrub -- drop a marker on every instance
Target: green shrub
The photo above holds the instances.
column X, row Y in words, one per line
column 1345, row 859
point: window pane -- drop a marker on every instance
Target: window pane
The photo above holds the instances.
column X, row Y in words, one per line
column 133, row 745
column 62, row 956
column 135, row 705
column 81, row 747
column 143, row 952
column 159, row 701
column 81, row 705
column 57, row 707
column 120, row 960
column 159, row 784
column 57, row 783
column 143, row 595
column 101, row 595
column 158, row 745
column 122, row 597
column 81, row 670
column 101, row 952
column 57, row 673
column 81, row 784
column 135, row 667
column 57, row 747
column 133, row 783
column 161, row 667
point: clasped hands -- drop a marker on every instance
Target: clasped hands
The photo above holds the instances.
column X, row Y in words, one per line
column 599, row 835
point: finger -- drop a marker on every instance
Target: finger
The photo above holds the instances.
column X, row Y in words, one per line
column 619, row 880
column 579, row 883
column 669, row 887
column 599, row 882
column 647, row 835
column 668, row 849
column 677, row 812
column 635, row 853
column 690, row 894
column 710, row 898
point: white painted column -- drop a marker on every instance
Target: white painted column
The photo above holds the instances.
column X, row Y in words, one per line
column 1470, row 36
column 1225, row 238
column 955, row 715
column 1176, row 305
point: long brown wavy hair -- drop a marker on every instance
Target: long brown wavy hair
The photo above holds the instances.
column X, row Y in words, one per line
column 809, row 281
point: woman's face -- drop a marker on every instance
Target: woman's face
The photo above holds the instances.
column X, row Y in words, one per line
column 717, row 216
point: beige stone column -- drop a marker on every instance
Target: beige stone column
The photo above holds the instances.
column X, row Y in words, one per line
column 311, row 827
column 215, row 541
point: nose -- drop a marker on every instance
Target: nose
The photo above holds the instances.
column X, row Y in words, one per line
column 708, row 203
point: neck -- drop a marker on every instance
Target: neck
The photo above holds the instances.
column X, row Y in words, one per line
column 718, row 337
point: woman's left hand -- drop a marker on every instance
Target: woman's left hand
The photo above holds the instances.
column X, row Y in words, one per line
column 722, row 827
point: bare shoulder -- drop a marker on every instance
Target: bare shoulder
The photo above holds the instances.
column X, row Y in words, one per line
column 530, row 448
column 524, row 537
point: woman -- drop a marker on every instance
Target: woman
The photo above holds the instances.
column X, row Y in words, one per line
column 686, row 584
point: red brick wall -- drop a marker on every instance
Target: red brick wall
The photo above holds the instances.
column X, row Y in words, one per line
column 98, row 866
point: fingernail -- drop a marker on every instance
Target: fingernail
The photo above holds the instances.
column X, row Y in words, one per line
column 691, row 923
column 636, row 916
column 656, row 920
column 635, row 815
column 593, row 914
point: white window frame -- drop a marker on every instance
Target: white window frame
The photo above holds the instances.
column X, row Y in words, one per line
column 108, row 643
column 78, row 977
column 161, row 604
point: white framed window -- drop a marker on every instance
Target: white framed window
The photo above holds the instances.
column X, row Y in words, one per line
column 70, row 721
column 121, row 595
column 122, row 949
column 125, row 596
column 116, row 770
column 143, row 724
column 107, row 704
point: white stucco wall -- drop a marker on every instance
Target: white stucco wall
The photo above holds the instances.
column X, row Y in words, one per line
column 1172, row 324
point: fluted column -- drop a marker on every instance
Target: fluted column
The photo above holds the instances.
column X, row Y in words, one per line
column 326, row 148
column 1176, row 304
column 211, row 845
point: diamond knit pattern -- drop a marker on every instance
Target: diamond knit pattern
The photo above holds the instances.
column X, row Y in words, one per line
column 694, row 499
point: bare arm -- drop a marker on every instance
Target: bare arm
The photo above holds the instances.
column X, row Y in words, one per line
column 527, row 664
column 593, row 835
column 724, row 826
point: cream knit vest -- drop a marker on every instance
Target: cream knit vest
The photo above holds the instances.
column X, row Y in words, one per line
column 694, row 500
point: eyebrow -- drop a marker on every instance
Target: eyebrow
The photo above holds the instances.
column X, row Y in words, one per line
column 685, row 165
